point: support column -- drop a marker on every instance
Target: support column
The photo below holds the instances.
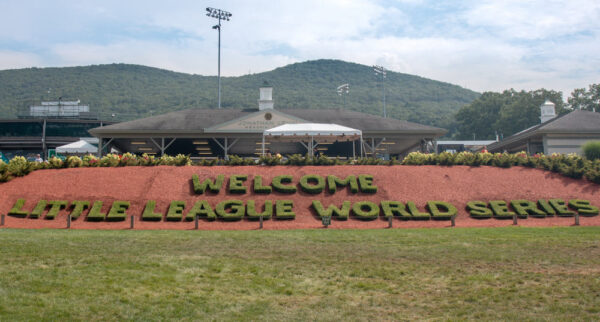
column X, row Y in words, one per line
column 263, row 145
column 44, row 150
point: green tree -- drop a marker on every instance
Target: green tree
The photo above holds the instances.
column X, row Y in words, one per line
column 504, row 113
column 582, row 99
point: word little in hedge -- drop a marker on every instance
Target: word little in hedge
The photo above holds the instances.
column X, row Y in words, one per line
column 117, row 210
column 499, row 209
column 311, row 183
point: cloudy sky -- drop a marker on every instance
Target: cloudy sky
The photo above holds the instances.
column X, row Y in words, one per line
column 482, row 45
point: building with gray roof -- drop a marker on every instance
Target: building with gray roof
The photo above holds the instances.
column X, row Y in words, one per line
column 209, row 133
column 563, row 134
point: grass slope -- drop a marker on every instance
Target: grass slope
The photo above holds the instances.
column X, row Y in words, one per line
column 490, row 274
column 133, row 91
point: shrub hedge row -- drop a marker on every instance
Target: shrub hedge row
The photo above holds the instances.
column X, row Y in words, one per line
column 570, row 165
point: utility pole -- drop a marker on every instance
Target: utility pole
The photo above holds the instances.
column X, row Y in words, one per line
column 343, row 90
column 380, row 70
column 220, row 15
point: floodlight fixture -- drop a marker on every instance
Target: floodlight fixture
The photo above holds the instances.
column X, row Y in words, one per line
column 220, row 15
column 380, row 70
column 343, row 90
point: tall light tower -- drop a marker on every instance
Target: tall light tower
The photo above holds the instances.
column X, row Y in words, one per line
column 343, row 90
column 380, row 70
column 221, row 15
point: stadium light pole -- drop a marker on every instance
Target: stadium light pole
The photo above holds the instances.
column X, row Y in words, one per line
column 220, row 15
column 380, row 70
column 343, row 90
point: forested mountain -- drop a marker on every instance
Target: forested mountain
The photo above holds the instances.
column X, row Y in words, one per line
column 132, row 91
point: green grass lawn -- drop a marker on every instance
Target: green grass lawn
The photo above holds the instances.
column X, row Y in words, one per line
column 400, row 274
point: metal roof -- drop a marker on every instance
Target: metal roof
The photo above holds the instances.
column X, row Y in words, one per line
column 197, row 120
column 575, row 122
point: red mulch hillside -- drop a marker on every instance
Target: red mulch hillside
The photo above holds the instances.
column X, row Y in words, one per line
column 457, row 185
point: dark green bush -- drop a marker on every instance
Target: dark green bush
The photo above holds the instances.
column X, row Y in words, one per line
column 591, row 150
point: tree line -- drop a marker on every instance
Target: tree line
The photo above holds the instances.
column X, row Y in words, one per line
column 512, row 111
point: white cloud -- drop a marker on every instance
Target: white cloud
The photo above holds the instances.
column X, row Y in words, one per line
column 14, row 59
column 481, row 45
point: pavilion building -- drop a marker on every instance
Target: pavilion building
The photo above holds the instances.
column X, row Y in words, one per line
column 218, row 133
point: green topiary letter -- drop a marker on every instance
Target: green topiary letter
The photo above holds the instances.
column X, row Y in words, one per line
column 525, row 207
column 254, row 215
column 317, row 187
column 283, row 209
column 175, row 212
column 332, row 210
column 237, row 210
column 78, row 208
column 583, row 207
column 395, row 208
column 149, row 214
column 55, row 207
column 365, row 210
column 17, row 209
column 203, row 209
column 236, row 183
column 95, row 214
column 118, row 210
column 479, row 210
column 500, row 209
column 279, row 184
column 441, row 210
column 213, row 186
column 333, row 182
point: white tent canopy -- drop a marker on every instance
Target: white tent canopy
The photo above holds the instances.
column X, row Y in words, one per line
column 79, row 147
column 313, row 133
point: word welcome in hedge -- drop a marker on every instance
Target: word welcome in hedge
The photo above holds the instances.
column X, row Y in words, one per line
column 235, row 210
column 311, row 183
